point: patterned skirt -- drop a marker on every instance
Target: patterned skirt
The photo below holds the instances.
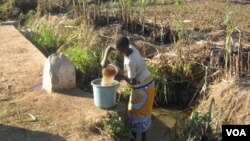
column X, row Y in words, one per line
column 140, row 105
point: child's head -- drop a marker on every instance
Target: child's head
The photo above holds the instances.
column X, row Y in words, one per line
column 122, row 44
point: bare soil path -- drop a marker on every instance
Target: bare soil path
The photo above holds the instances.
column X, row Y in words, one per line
column 65, row 116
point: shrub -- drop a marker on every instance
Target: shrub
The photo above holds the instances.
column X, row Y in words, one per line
column 113, row 125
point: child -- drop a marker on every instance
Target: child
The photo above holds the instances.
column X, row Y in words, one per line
column 142, row 97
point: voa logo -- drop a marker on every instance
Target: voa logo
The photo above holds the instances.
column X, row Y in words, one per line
column 236, row 132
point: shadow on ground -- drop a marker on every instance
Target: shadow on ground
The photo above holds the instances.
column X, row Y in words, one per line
column 158, row 131
column 76, row 93
column 11, row 133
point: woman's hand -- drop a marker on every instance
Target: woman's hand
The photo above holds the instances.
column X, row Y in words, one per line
column 121, row 75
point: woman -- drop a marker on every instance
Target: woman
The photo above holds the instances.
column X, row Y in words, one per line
column 142, row 97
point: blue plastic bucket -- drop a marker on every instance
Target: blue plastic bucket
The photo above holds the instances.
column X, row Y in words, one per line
column 104, row 96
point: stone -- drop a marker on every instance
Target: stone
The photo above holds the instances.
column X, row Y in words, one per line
column 58, row 73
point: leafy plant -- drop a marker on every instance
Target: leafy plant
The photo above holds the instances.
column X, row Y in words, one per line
column 161, row 81
column 113, row 124
column 177, row 2
column 124, row 92
column 166, row 76
column 197, row 128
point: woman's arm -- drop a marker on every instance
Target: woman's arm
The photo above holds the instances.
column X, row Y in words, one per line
column 108, row 50
column 128, row 80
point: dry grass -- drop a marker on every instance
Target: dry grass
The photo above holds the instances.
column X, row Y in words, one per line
column 205, row 14
column 232, row 102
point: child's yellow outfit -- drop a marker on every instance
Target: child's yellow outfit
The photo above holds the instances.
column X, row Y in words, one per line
column 142, row 97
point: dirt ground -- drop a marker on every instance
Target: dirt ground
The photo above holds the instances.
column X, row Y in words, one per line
column 28, row 113
column 59, row 117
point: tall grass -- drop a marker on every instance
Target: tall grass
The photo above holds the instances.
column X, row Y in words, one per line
column 230, row 27
column 167, row 76
column 53, row 6
column 45, row 40
column 126, row 9
column 86, row 60
column 83, row 46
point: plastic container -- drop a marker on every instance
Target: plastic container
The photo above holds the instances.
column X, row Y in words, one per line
column 104, row 96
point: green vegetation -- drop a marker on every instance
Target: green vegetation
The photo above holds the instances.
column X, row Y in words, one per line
column 126, row 8
column 124, row 92
column 83, row 47
column 230, row 27
column 178, row 26
column 45, row 40
column 13, row 8
column 87, row 63
column 77, row 35
column 197, row 128
column 167, row 76
column 52, row 6
column 161, row 81
column 113, row 125
column 177, row 2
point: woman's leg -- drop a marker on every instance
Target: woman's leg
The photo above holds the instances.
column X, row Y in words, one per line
column 143, row 138
column 134, row 136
